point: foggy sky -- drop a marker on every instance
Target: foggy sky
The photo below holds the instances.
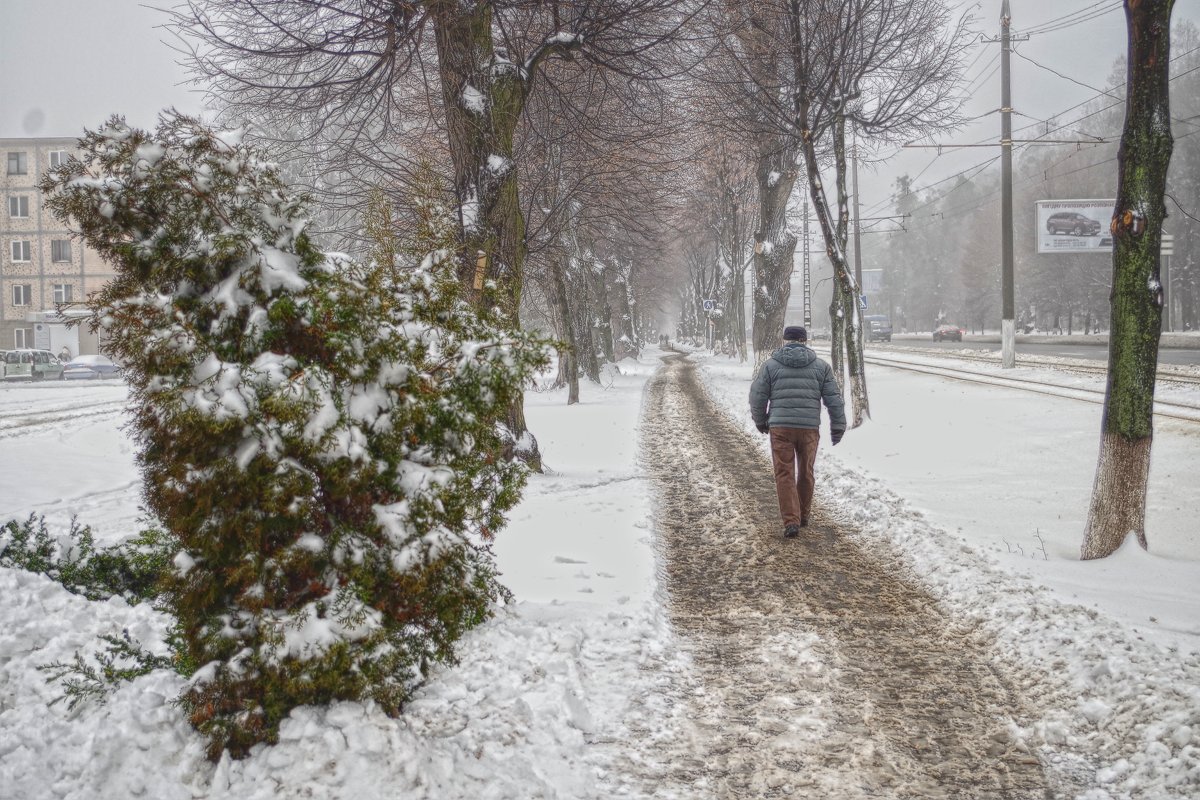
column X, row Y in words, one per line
column 67, row 64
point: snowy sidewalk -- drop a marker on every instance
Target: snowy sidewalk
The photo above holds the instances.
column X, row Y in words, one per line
column 575, row 691
column 962, row 480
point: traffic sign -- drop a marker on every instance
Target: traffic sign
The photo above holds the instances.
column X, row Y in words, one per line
column 710, row 305
column 862, row 302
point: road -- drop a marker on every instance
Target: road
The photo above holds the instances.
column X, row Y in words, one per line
column 920, row 705
column 1096, row 352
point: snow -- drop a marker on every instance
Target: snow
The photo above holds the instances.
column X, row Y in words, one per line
column 469, row 212
column 563, row 37
column 499, row 165
column 473, row 100
column 982, row 488
column 1002, row 467
column 985, row 490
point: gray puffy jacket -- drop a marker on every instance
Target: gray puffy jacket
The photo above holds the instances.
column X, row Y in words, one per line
column 792, row 383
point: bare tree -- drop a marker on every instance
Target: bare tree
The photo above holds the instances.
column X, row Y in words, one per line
column 346, row 65
column 715, row 220
column 887, row 67
column 1118, row 505
column 596, row 197
column 806, row 70
column 745, row 77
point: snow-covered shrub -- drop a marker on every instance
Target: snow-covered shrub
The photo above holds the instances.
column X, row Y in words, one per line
column 316, row 433
column 121, row 659
column 132, row 570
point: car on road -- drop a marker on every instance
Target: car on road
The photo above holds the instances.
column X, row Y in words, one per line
column 89, row 367
column 1073, row 223
column 948, row 333
column 878, row 328
column 31, row 365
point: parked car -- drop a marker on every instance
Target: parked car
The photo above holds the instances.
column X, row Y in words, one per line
column 89, row 368
column 31, row 365
column 1073, row 223
column 879, row 328
column 948, row 333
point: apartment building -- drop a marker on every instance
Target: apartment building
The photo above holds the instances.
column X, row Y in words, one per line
column 45, row 274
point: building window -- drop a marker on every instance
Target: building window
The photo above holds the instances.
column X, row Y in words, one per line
column 23, row 338
column 60, row 250
column 57, row 158
column 18, row 205
column 62, row 292
column 22, row 294
column 21, row 251
column 16, row 164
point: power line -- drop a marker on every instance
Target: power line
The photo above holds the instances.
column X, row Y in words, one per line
column 1093, row 88
column 1085, row 14
column 1099, row 93
column 1064, row 126
column 1056, row 20
column 983, row 73
column 1046, row 175
column 927, row 187
column 1064, row 77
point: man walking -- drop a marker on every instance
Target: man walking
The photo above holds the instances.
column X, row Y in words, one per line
column 785, row 401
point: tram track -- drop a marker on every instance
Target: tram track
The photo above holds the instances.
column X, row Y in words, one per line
column 1172, row 374
column 1168, row 409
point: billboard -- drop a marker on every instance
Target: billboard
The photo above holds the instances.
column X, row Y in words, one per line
column 872, row 282
column 1074, row 226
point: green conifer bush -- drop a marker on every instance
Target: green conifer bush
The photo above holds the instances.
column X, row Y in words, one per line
column 131, row 570
column 317, row 434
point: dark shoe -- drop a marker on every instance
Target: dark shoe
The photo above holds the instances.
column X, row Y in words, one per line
column 804, row 522
column 791, row 531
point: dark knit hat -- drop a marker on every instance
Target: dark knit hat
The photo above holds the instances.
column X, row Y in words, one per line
column 794, row 333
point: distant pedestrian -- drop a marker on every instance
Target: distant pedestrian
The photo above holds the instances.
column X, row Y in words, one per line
column 64, row 355
column 785, row 402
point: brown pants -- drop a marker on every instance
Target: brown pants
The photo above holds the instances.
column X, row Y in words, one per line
column 794, row 451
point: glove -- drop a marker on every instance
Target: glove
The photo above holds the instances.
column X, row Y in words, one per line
column 836, row 436
column 762, row 427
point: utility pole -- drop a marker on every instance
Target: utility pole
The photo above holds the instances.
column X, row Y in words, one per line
column 1008, row 328
column 1166, row 250
column 857, row 237
column 1008, row 325
column 806, row 269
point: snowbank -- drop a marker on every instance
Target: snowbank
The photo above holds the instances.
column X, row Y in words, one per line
column 541, row 704
column 952, row 478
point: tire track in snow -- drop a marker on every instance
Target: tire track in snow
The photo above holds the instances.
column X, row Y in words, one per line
column 779, row 628
column 13, row 425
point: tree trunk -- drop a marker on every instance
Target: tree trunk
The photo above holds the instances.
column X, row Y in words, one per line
column 774, row 245
column 837, row 332
column 1187, row 309
column 587, row 336
column 568, row 366
column 846, row 295
column 1118, row 505
column 737, row 312
column 601, row 311
column 625, row 338
column 483, row 98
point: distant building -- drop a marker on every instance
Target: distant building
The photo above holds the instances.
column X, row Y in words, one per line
column 45, row 275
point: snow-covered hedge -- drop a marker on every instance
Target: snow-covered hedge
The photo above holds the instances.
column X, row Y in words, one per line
column 318, row 434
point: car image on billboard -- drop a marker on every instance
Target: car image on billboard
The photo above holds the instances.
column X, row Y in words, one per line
column 1074, row 226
